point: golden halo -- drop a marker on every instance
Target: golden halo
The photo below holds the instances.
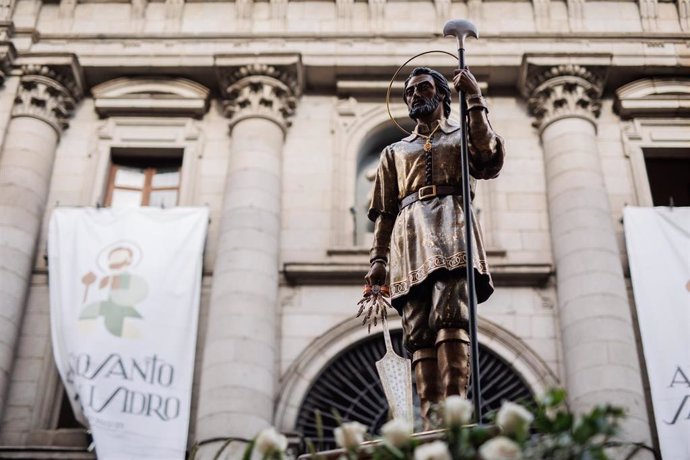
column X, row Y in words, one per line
column 390, row 85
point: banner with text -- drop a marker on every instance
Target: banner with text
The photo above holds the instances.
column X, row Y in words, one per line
column 124, row 303
column 658, row 241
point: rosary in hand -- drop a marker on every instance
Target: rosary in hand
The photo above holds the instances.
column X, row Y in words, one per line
column 374, row 302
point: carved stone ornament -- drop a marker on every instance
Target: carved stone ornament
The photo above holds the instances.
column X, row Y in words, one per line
column 244, row 8
column 6, row 9
column 46, row 95
column 344, row 8
column 8, row 53
column 563, row 91
column 262, row 91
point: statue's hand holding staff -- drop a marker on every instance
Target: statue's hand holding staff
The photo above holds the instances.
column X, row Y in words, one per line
column 463, row 80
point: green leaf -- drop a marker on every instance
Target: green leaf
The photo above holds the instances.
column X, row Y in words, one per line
column 247, row 455
column 563, row 422
column 542, row 423
column 553, row 398
column 397, row 453
column 319, row 423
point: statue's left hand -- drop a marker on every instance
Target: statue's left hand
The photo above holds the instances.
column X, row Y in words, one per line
column 374, row 304
column 463, row 80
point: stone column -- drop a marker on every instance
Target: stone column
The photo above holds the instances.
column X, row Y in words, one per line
column 237, row 392
column 43, row 103
column 599, row 348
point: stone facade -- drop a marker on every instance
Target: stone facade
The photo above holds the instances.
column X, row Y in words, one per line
column 277, row 107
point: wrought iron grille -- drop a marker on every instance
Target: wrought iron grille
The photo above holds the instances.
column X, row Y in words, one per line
column 348, row 389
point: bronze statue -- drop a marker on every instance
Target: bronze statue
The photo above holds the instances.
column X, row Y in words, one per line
column 417, row 210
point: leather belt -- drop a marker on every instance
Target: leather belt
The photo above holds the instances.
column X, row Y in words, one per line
column 428, row 192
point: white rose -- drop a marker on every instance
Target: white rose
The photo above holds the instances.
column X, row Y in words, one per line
column 437, row 450
column 457, row 411
column 350, row 435
column 397, row 432
column 269, row 440
column 500, row 448
column 513, row 418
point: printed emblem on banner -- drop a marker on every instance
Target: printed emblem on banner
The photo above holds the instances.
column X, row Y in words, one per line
column 118, row 293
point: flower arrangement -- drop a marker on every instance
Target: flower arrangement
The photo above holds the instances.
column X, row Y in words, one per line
column 549, row 431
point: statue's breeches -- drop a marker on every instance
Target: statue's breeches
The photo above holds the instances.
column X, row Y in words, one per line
column 439, row 302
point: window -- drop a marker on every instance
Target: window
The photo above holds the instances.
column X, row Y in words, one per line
column 669, row 176
column 65, row 416
column 138, row 179
column 367, row 165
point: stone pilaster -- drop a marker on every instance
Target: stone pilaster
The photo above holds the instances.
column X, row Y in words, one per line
column 6, row 24
column 684, row 14
column 279, row 10
column 138, row 11
column 649, row 12
column 173, row 12
column 377, row 15
column 542, row 14
column 44, row 101
column 244, row 8
column 576, row 14
column 474, row 11
column 67, row 8
column 8, row 54
column 442, row 12
column 598, row 340
column 237, row 392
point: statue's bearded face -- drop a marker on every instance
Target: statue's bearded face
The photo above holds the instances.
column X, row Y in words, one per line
column 421, row 96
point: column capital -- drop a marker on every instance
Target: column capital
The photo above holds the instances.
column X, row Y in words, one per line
column 49, row 89
column 267, row 88
column 563, row 89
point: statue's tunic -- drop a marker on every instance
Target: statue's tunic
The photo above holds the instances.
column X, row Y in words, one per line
column 429, row 234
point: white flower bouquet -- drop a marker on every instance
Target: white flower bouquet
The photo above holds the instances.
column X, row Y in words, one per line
column 549, row 431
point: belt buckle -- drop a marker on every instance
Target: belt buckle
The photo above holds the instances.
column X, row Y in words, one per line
column 428, row 191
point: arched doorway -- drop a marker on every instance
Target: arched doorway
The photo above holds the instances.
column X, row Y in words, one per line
column 348, row 389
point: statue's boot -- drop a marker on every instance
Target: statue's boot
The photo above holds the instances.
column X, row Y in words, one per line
column 428, row 386
column 453, row 354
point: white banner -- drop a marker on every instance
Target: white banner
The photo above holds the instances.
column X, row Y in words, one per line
column 124, row 303
column 658, row 241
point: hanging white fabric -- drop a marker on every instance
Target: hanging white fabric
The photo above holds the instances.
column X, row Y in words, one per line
column 124, row 302
column 658, row 242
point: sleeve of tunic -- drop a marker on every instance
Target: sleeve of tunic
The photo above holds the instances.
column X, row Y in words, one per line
column 384, row 200
column 384, row 204
column 486, row 149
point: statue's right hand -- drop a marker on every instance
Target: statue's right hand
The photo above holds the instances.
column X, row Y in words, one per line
column 377, row 274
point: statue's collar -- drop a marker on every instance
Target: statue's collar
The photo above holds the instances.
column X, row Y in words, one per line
column 446, row 126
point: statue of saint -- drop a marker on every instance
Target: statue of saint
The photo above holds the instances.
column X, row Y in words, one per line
column 417, row 211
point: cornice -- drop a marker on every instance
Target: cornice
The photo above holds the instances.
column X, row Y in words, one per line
column 352, row 273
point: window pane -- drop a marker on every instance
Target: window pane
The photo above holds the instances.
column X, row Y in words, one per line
column 126, row 198
column 165, row 198
column 165, row 177
column 669, row 180
column 129, row 177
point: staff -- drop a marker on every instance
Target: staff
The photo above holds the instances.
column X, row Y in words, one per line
column 461, row 29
